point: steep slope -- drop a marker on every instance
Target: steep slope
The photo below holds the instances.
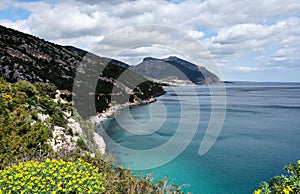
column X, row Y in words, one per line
column 174, row 69
column 29, row 58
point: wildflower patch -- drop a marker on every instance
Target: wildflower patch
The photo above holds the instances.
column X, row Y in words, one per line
column 52, row 176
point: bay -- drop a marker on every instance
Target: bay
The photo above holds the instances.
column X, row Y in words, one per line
column 259, row 136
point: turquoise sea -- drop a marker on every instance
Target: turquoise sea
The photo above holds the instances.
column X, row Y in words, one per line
column 259, row 136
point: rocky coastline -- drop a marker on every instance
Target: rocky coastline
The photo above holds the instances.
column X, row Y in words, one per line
column 98, row 119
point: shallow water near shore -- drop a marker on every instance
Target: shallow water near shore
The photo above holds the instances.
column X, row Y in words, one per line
column 259, row 137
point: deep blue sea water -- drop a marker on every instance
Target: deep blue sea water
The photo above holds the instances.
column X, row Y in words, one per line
column 259, row 136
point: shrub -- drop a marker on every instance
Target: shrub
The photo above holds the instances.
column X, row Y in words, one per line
column 52, row 176
column 81, row 144
column 59, row 120
column 20, row 134
column 27, row 87
column 283, row 184
column 46, row 89
column 121, row 180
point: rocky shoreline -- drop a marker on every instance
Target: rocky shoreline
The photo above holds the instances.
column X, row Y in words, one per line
column 110, row 112
column 98, row 120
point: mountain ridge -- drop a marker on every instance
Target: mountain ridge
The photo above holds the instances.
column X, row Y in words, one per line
column 27, row 57
column 173, row 69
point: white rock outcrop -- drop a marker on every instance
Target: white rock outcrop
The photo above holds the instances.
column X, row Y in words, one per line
column 42, row 117
column 75, row 126
column 99, row 143
column 61, row 140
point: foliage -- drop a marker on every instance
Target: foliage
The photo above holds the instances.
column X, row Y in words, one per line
column 46, row 89
column 283, row 184
column 21, row 129
column 52, row 176
column 121, row 180
column 21, row 132
column 146, row 90
column 80, row 143
column 24, row 136
column 28, row 88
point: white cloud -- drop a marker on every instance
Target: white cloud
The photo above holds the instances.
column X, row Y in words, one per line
column 5, row 4
column 196, row 34
column 245, row 68
column 267, row 31
column 280, row 58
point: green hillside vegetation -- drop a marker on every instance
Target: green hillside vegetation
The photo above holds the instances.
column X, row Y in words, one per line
column 285, row 184
column 24, row 142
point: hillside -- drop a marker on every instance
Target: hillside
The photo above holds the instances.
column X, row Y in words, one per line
column 44, row 143
column 43, row 136
column 175, row 70
column 26, row 57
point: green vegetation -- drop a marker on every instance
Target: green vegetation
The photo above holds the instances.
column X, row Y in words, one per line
column 52, row 176
column 24, row 149
column 21, row 132
column 283, row 184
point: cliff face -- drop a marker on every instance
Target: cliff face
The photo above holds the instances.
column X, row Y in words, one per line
column 32, row 59
column 173, row 69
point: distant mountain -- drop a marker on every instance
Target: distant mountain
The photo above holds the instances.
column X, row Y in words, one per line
column 30, row 58
column 175, row 71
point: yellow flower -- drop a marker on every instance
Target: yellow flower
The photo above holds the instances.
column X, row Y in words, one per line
column 7, row 97
column 298, row 162
column 257, row 191
column 33, row 174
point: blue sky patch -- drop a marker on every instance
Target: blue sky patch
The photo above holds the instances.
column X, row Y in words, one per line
column 14, row 14
column 208, row 32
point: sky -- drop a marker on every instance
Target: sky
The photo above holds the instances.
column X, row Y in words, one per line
column 245, row 40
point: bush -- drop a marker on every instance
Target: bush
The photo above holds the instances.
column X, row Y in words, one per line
column 20, row 130
column 283, row 184
column 46, row 89
column 59, row 120
column 52, row 176
column 28, row 88
column 81, row 144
